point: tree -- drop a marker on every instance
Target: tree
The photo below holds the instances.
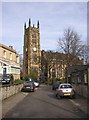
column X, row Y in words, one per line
column 71, row 45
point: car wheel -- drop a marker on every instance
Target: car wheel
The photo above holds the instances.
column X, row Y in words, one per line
column 61, row 96
column 73, row 97
column 22, row 90
column 33, row 90
column 58, row 96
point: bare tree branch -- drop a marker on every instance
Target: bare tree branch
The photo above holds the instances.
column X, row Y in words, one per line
column 70, row 44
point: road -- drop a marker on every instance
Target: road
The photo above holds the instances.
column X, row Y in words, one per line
column 43, row 104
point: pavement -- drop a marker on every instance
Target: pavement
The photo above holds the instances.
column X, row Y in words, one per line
column 81, row 103
column 12, row 101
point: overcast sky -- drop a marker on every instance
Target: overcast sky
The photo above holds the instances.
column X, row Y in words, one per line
column 54, row 19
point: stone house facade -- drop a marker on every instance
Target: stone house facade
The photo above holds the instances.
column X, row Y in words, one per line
column 9, row 61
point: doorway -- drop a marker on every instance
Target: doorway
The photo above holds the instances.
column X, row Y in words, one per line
column 4, row 71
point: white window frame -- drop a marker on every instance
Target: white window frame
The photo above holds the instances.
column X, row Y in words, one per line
column 10, row 56
column 4, row 54
column 17, row 59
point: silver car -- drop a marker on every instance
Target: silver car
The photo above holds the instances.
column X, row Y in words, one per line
column 65, row 89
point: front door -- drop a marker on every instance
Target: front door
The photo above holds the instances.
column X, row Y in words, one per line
column 4, row 71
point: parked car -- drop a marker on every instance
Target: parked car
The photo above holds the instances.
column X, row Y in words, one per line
column 6, row 79
column 65, row 89
column 28, row 86
column 36, row 83
column 55, row 86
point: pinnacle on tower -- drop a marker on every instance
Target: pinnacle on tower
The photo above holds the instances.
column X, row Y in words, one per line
column 33, row 25
column 38, row 24
column 29, row 22
column 25, row 26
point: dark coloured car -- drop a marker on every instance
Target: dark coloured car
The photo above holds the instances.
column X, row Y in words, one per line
column 55, row 86
column 28, row 86
column 65, row 89
column 6, row 79
column 36, row 82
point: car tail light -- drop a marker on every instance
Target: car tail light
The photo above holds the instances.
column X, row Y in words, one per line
column 72, row 90
column 60, row 90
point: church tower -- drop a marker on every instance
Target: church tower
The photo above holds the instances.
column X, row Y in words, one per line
column 31, row 51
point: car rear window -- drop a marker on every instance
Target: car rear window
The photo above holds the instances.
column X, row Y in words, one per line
column 65, row 86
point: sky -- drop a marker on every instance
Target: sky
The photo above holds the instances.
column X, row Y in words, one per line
column 88, row 23
column 54, row 18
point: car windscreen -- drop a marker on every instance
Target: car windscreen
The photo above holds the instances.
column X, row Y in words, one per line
column 5, row 76
column 28, row 83
column 65, row 86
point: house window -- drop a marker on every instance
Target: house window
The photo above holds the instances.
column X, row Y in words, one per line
column 17, row 59
column 85, row 78
column 10, row 56
column 4, row 54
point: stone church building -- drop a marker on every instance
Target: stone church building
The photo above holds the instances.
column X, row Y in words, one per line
column 41, row 64
column 31, row 50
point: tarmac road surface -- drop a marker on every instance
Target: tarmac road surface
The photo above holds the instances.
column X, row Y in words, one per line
column 43, row 104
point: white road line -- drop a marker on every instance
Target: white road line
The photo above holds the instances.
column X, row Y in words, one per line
column 74, row 102
column 25, row 93
column 36, row 88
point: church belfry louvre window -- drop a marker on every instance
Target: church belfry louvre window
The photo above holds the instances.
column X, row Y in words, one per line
column 34, row 38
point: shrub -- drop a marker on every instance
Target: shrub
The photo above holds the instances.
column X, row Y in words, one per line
column 18, row 81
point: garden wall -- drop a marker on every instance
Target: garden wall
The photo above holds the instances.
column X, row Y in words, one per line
column 10, row 90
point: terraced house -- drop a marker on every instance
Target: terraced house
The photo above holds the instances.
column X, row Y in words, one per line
column 9, row 61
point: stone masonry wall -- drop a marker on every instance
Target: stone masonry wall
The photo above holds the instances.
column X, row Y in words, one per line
column 11, row 90
column 81, row 90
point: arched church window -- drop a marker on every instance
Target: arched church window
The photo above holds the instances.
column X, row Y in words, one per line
column 34, row 38
column 34, row 58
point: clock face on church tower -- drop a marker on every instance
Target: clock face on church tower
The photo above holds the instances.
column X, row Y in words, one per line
column 34, row 49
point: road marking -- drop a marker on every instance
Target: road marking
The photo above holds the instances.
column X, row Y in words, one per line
column 25, row 93
column 74, row 102
column 36, row 88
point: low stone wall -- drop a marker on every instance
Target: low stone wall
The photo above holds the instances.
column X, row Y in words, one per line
column 10, row 90
column 81, row 90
